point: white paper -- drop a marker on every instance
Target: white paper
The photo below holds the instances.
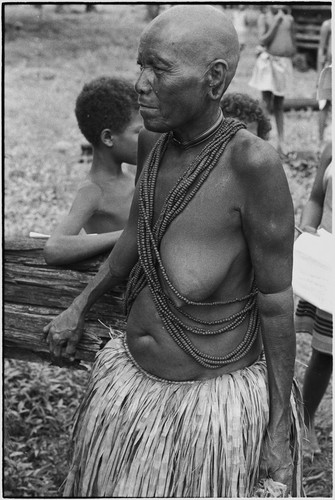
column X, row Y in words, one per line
column 313, row 269
column 32, row 234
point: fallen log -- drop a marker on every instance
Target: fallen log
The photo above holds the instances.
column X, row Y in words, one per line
column 297, row 103
column 34, row 293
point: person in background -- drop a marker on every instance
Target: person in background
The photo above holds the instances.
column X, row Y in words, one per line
column 239, row 20
column 247, row 110
column 324, row 59
column 107, row 115
column 273, row 68
column 310, row 319
column 317, row 214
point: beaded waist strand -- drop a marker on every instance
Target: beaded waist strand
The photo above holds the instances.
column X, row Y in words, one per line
column 145, row 272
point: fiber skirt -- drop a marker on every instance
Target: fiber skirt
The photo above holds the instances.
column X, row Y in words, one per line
column 318, row 323
column 137, row 435
column 271, row 73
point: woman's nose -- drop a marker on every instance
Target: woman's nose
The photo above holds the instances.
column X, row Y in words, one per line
column 142, row 85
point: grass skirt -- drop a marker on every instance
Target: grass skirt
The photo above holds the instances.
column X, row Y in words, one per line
column 136, row 435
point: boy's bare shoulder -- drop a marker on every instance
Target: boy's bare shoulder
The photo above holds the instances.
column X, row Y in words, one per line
column 91, row 189
column 89, row 184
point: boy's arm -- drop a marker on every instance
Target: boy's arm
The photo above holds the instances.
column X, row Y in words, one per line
column 268, row 225
column 66, row 245
column 267, row 33
column 65, row 331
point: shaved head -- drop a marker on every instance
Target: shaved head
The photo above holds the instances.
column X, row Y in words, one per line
column 202, row 33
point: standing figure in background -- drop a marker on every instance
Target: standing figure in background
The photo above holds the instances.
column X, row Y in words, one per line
column 324, row 60
column 317, row 214
column 273, row 68
column 240, row 24
column 107, row 115
column 310, row 319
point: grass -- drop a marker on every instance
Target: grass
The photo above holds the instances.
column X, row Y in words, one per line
column 48, row 57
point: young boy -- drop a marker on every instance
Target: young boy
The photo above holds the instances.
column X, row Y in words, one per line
column 107, row 115
column 247, row 110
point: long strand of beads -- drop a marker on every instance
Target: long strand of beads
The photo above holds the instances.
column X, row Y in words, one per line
column 145, row 271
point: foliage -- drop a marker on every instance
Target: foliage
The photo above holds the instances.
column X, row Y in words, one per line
column 48, row 57
column 40, row 402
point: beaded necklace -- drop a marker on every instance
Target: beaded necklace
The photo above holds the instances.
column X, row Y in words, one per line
column 201, row 137
column 145, row 271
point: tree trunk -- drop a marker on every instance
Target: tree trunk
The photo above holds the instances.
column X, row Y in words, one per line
column 34, row 293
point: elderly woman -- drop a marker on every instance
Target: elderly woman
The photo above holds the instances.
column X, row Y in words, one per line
column 186, row 405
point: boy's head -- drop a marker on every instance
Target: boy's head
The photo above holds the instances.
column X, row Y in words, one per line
column 247, row 110
column 105, row 103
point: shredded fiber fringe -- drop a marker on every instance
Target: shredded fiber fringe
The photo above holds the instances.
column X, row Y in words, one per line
column 139, row 436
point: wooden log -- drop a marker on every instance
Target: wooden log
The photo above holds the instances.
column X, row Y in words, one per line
column 34, row 293
column 297, row 103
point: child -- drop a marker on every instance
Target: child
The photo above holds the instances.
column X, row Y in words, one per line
column 324, row 59
column 248, row 111
column 273, row 69
column 107, row 115
column 318, row 213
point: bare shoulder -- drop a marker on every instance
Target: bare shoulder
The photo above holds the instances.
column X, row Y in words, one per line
column 90, row 190
column 253, row 158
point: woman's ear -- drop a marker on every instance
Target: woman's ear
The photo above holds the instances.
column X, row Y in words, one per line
column 107, row 138
column 217, row 74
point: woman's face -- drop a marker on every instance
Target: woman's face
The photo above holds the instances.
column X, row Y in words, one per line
column 171, row 89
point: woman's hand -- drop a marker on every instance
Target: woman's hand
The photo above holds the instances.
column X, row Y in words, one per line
column 276, row 460
column 64, row 333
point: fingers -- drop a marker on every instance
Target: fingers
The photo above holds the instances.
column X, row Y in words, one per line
column 63, row 334
column 71, row 347
column 58, row 341
column 55, row 341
